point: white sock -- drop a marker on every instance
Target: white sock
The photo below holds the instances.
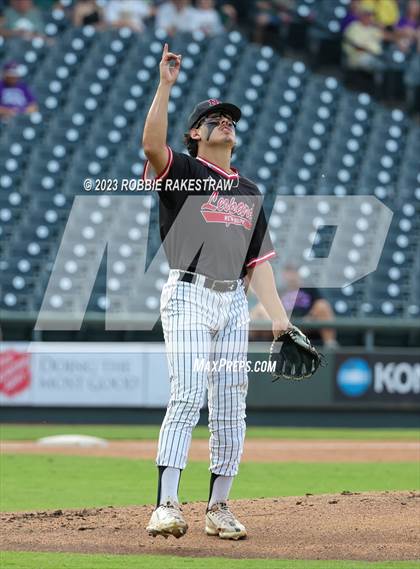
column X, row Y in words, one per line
column 221, row 489
column 169, row 485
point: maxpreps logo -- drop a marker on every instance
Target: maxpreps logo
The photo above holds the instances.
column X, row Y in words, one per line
column 354, row 377
column 376, row 377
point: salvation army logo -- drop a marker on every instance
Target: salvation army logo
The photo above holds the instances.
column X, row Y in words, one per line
column 354, row 377
column 15, row 373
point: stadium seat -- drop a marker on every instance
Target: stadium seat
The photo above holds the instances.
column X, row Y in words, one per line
column 300, row 134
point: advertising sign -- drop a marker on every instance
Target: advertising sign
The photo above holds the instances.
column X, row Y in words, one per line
column 79, row 375
column 390, row 377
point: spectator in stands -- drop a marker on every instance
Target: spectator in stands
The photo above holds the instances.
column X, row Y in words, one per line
column 408, row 28
column 386, row 13
column 229, row 15
column 15, row 95
column 208, row 19
column 352, row 14
column 48, row 5
column 177, row 16
column 88, row 13
column 237, row 13
column 362, row 41
column 300, row 302
column 23, row 19
column 270, row 15
column 128, row 14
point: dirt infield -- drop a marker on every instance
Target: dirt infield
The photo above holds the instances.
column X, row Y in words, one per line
column 256, row 450
column 371, row 527
column 358, row 526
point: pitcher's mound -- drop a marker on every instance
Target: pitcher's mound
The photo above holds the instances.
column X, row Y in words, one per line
column 366, row 526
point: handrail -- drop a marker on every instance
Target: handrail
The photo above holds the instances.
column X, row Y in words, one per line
column 340, row 323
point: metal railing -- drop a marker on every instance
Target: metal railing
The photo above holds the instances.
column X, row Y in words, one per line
column 130, row 322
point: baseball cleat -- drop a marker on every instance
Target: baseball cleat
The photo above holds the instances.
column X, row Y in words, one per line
column 167, row 520
column 220, row 521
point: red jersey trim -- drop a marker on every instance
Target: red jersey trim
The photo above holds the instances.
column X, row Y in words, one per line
column 254, row 262
column 165, row 171
column 219, row 170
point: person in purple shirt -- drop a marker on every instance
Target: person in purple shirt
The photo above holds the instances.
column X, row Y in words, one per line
column 351, row 16
column 15, row 95
column 408, row 28
column 300, row 302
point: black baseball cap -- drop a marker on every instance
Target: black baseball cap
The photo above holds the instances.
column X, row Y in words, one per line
column 213, row 106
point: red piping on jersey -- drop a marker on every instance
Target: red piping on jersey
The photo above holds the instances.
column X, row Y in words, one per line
column 165, row 171
column 258, row 260
column 218, row 169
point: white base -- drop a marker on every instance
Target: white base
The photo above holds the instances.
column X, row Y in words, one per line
column 72, row 440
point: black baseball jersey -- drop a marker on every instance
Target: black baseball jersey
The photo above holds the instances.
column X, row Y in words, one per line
column 211, row 222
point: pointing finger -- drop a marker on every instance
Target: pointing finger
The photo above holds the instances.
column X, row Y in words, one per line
column 171, row 57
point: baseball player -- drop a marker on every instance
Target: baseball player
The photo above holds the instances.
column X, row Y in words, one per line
column 221, row 247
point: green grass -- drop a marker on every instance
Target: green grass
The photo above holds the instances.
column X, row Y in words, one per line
column 12, row 560
column 143, row 432
column 47, row 481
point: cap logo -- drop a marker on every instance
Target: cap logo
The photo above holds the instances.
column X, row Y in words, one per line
column 213, row 102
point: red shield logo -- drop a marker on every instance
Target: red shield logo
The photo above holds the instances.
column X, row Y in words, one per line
column 15, row 373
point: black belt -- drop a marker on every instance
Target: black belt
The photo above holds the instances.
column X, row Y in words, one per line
column 213, row 284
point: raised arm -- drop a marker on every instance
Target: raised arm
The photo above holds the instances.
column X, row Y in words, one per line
column 156, row 125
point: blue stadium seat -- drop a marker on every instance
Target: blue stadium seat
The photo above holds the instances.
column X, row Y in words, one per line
column 300, row 134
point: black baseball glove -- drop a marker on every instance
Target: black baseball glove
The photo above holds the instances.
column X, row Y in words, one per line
column 294, row 356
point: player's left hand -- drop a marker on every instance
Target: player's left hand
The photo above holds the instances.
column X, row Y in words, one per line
column 294, row 356
column 279, row 327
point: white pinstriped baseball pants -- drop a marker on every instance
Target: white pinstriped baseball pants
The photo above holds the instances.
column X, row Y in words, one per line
column 200, row 323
